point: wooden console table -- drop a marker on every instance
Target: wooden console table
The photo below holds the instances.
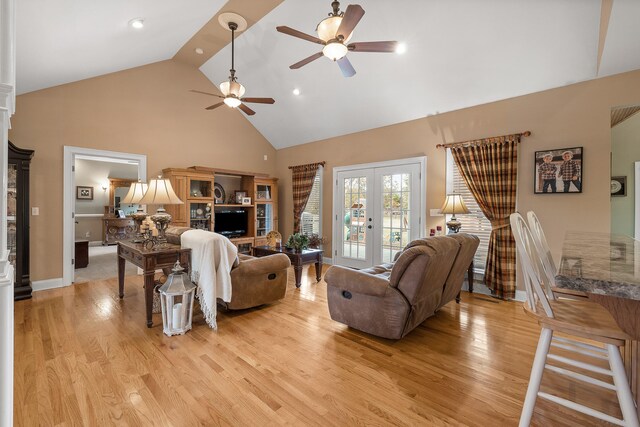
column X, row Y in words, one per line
column 307, row 256
column 149, row 260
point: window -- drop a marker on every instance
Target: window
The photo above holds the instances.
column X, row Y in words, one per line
column 311, row 221
column 474, row 222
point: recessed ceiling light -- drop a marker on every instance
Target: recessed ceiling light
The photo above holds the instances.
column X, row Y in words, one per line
column 402, row 48
column 137, row 23
column 199, row 51
column 296, row 91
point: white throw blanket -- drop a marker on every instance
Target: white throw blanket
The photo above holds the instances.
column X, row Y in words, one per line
column 212, row 257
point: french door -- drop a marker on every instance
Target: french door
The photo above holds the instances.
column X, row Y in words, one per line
column 378, row 209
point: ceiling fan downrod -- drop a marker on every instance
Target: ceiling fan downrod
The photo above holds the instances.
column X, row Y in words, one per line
column 233, row 27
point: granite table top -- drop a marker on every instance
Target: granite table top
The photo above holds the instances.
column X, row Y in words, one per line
column 600, row 263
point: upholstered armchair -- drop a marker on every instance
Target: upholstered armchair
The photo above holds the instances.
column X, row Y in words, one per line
column 390, row 300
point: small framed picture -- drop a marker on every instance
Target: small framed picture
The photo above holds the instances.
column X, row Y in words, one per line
column 558, row 171
column 239, row 196
column 84, row 193
column 618, row 186
column 246, row 200
column 121, row 214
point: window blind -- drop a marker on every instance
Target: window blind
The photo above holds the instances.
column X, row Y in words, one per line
column 310, row 222
column 474, row 222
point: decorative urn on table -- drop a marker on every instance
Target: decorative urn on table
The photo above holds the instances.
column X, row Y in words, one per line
column 176, row 299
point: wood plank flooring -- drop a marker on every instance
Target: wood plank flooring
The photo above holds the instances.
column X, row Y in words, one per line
column 85, row 357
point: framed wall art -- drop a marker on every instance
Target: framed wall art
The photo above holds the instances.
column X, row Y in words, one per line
column 84, row 193
column 558, row 171
column 619, row 186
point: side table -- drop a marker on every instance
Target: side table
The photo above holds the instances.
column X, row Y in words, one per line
column 149, row 260
column 307, row 256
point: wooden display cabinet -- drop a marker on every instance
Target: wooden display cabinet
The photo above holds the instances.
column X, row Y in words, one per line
column 195, row 187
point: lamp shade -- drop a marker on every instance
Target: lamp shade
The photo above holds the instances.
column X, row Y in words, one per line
column 454, row 204
column 160, row 192
column 135, row 194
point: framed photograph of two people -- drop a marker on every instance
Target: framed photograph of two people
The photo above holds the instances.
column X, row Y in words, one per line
column 558, row 171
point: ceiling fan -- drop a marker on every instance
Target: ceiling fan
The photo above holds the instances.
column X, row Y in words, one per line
column 334, row 33
column 231, row 89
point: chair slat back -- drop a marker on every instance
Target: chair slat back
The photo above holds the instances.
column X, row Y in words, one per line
column 527, row 254
column 547, row 266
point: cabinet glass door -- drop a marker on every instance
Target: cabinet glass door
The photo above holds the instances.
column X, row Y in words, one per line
column 264, row 219
column 264, row 192
column 12, row 200
column 200, row 216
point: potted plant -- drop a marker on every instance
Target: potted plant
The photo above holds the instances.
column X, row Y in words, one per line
column 298, row 242
column 315, row 241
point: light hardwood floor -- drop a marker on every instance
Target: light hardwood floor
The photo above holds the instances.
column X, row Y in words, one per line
column 85, row 357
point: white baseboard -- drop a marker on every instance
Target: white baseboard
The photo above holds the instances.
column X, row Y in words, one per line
column 479, row 288
column 43, row 285
column 327, row 260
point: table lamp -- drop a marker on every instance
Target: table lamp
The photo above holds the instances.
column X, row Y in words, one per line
column 160, row 192
column 135, row 194
column 453, row 205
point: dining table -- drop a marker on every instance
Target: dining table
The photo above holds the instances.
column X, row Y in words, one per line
column 606, row 267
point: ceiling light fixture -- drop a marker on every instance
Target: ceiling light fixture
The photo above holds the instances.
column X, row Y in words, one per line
column 296, row 91
column 137, row 23
column 199, row 50
column 231, row 89
column 402, row 48
column 334, row 34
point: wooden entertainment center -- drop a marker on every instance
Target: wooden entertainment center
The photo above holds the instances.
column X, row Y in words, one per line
column 206, row 191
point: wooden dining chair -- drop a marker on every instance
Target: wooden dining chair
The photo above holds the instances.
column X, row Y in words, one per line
column 581, row 319
column 548, row 266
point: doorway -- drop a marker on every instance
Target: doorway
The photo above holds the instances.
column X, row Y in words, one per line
column 379, row 208
column 99, row 157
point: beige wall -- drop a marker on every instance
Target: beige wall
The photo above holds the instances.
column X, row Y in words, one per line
column 625, row 151
column 147, row 110
column 576, row 115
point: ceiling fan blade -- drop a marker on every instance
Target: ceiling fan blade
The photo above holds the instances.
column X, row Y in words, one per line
column 248, row 111
column 346, row 67
column 352, row 16
column 298, row 34
column 306, row 61
column 388, row 46
column 259, row 100
column 211, row 107
column 206, row 93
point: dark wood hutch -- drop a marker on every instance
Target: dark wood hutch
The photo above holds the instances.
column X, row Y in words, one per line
column 18, row 218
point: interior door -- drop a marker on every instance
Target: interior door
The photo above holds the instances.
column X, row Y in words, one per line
column 378, row 214
column 353, row 221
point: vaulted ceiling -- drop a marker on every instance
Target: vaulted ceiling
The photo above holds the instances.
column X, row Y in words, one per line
column 459, row 53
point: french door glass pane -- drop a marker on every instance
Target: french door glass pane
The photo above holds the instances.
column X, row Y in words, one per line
column 355, row 217
column 396, row 207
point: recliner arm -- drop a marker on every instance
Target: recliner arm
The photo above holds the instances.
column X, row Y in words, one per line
column 267, row 264
column 356, row 281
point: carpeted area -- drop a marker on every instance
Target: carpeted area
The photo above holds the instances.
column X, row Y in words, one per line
column 103, row 264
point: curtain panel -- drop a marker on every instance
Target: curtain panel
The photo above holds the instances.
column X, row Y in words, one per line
column 489, row 168
column 302, row 177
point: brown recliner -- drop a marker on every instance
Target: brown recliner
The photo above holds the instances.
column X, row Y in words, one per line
column 390, row 300
column 254, row 281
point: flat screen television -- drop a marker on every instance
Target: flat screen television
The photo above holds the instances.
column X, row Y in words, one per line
column 231, row 223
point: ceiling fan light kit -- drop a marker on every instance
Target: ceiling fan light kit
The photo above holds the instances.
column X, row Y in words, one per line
column 231, row 89
column 334, row 34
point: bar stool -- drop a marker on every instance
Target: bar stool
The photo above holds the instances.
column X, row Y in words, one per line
column 582, row 319
column 549, row 269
